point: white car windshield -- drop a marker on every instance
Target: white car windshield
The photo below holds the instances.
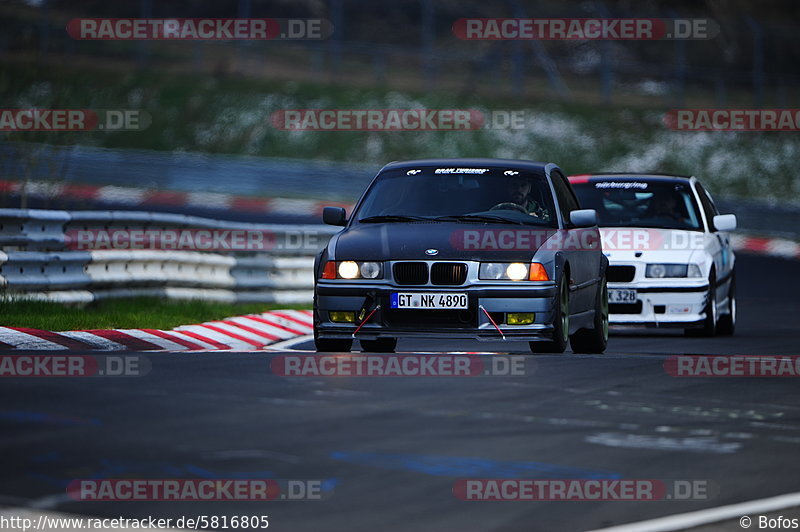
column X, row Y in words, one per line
column 659, row 203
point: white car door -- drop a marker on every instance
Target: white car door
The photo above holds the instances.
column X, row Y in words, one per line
column 718, row 245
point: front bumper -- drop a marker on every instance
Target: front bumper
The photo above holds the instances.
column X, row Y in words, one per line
column 471, row 323
column 677, row 304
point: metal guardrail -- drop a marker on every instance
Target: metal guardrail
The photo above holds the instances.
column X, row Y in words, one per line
column 39, row 259
column 193, row 173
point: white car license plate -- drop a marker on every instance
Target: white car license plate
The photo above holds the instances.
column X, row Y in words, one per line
column 429, row 301
column 616, row 295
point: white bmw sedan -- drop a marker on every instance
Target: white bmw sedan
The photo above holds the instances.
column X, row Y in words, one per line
column 669, row 250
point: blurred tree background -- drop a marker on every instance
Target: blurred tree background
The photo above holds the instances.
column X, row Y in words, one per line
column 598, row 105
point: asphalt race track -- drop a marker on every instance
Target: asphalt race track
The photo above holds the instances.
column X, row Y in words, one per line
column 391, row 449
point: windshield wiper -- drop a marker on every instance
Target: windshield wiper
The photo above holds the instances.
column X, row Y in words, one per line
column 393, row 218
column 478, row 218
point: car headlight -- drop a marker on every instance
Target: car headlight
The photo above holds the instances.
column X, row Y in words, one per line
column 512, row 271
column 350, row 269
column 492, row 270
column 517, row 271
column 370, row 270
column 660, row 271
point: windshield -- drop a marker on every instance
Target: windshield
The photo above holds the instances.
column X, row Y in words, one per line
column 483, row 195
column 629, row 203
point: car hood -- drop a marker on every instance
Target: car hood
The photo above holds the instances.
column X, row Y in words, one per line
column 650, row 245
column 453, row 241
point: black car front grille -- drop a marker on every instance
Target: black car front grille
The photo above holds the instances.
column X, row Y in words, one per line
column 620, row 274
column 445, row 319
column 410, row 273
column 625, row 308
column 449, row 273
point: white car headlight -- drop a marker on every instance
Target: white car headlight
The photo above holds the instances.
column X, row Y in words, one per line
column 660, row 271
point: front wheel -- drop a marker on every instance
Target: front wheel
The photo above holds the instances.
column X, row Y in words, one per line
column 331, row 345
column 727, row 322
column 560, row 322
column 379, row 345
column 709, row 326
column 594, row 340
column 328, row 345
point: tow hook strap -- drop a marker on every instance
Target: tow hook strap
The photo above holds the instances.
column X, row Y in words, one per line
column 491, row 320
column 365, row 320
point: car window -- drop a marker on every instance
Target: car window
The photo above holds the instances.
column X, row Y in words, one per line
column 566, row 199
column 621, row 202
column 451, row 192
column 709, row 208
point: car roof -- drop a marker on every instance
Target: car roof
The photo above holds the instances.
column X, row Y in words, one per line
column 469, row 163
column 629, row 176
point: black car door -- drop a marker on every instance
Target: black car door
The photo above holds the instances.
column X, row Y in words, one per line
column 581, row 247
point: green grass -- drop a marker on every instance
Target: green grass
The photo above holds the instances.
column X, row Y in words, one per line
column 232, row 115
column 193, row 113
column 139, row 313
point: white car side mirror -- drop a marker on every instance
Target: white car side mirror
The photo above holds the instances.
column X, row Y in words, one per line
column 725, row 222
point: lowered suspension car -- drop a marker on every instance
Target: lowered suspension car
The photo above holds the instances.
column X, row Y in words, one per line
column 671, row 262
column 484, row 249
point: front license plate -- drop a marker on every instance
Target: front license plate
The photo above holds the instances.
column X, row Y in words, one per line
column 616, row 295
column 429, row 301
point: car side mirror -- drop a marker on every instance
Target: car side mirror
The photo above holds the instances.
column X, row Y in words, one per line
column 334, row 216
column 583, row 218
column 725, row 222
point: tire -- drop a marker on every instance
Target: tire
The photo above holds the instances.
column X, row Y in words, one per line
column 727, row 322
column 331, row 345
column 595, row 340
column 709, row 327
column 328, row 345
column 560, row 322
column 380, row 345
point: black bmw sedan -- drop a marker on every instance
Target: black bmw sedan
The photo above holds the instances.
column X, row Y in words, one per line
column 486, row 249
